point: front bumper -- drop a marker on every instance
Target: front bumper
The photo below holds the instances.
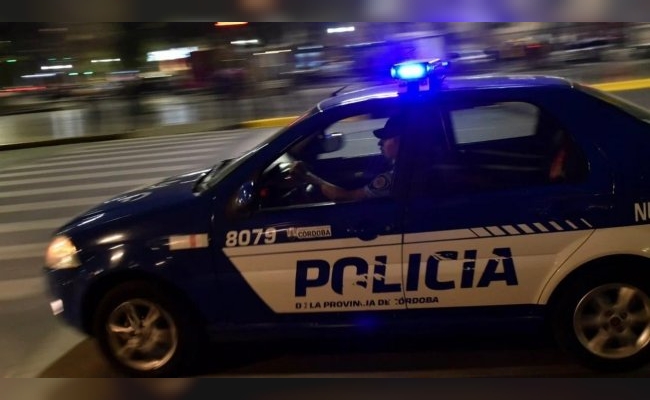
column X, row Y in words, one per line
column 66, row 294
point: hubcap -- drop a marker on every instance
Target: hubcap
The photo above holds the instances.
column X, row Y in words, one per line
column 613, row 321
column 142, row 335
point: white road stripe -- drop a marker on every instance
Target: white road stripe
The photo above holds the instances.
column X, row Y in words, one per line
column 22, row 251
column 51, row 171
column 32, row 225
column 17, row 289
column 107, row 174
column 556, row 225
column 586, row 223
column 92, row 160
column 141, row 149
column 166, row 138
column 80, row 188
column 161, row 140
column 52, row 204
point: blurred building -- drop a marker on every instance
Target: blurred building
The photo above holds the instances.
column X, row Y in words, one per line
column 204, row 56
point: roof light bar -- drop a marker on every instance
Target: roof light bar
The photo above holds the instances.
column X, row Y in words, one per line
column 420, row 76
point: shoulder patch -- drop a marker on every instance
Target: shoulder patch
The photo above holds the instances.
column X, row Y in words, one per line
column 380, row 182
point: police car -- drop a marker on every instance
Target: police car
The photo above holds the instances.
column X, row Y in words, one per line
column 513, row 199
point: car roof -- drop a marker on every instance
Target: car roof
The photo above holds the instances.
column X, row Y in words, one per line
column 450, row 84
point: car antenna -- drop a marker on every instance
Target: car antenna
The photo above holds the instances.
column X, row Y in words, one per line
column 338, row 91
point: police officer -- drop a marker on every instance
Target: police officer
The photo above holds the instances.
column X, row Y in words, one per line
column 380, row 186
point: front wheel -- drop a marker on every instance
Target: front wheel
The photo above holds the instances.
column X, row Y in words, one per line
column 605, row 322
column 145, row 333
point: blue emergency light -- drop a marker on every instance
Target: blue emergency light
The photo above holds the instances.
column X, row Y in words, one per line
column 419, row 75
column 410, row 71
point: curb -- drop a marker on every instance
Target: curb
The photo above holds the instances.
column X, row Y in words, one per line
column 268, row 123
column 619, row 86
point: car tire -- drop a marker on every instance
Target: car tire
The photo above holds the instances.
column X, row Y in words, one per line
column 144, row 332
column 603, row 319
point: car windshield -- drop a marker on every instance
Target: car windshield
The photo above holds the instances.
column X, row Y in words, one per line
column 225, row 167
column 618, row 102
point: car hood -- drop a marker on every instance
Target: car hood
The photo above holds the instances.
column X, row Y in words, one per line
column 167, row 193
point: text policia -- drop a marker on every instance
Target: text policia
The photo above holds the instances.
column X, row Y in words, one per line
column 316, row 273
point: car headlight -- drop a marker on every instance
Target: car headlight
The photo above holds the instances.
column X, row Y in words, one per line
column 61, row 254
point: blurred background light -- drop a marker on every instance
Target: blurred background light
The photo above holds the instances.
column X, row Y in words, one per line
column 38, row 75
column 171, row 54
column 230, row 23
column 106, row 60
column 272, row 52
column 341, row 29
column 245, row 42
column 66, row 66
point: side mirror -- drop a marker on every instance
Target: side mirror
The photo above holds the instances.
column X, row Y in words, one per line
column 330, row 142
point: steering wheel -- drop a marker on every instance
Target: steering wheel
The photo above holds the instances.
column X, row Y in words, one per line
column 291, row 190
column 300, row 191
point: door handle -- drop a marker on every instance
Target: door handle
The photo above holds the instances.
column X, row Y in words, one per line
column 363, row 233
column 368, row 232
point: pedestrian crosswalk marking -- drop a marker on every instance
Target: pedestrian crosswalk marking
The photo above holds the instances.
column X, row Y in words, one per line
column 112, row 167
column 107, row 174
column 82, row 187
column 51, row 204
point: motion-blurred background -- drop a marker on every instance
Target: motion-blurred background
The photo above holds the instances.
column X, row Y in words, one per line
column 97, row 78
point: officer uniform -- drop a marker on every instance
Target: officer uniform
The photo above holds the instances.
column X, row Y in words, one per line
column 382, row 184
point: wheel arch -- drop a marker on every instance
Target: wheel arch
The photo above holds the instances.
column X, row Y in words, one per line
column 623, row 263
column 98, row 290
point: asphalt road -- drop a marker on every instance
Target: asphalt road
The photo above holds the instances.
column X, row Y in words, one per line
column 41, row 188
column 475, row 355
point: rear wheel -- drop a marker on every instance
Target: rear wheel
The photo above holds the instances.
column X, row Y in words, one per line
column 605, row 321
column 145, row 333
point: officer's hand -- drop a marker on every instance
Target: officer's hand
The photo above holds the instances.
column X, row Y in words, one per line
column 298, row 171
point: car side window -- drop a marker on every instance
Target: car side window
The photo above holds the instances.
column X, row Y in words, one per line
column 499, row 121
column 504, row 145
column 356, row 132
column 343, row 151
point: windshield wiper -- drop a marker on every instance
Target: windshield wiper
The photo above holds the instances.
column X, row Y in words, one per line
column 203, row 181
column 338, row 91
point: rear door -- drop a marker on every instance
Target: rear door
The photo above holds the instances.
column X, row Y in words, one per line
column 488, row 221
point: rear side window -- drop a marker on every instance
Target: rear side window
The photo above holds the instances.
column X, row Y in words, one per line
column 494, row 122
column 502, row 145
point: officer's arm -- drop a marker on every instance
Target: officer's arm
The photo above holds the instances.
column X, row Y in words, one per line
column 333, row 192
column 336, row 193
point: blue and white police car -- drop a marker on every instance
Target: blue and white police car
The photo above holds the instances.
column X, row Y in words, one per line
column 511, row 199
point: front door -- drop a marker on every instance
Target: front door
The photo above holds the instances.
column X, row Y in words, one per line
column 308, row 258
